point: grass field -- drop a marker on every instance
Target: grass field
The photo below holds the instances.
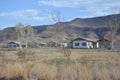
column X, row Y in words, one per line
column 52, row 64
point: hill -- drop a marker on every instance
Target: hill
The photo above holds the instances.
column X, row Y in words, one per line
column 94, row 28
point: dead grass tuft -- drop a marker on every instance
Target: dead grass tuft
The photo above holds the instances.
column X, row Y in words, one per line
column 50, row 64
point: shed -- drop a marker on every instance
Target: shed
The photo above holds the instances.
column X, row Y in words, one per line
column 104, row 43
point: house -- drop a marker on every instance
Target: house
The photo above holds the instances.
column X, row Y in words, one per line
column 62, row 44
column 42, row 44
column 84, row 43
column 104, row 43
column 59, row 44
column 16, row 45
column 51, row 44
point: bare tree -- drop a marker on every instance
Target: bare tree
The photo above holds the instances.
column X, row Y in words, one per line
column 23, row 34
column 113, row 25
column 20, row 33
column 60, row 32
column 56, row 17
column 29, row 33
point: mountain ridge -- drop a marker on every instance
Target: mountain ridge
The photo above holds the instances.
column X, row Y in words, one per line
column 96, row 27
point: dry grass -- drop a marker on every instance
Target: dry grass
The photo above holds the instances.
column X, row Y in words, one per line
column 50, row 64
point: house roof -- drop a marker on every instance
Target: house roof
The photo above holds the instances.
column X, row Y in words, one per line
column 86, row 39
column 13, row 42
column 102, row 40
column 42, row 43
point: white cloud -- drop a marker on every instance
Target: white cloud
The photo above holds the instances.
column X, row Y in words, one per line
column 63, row 3
column 104, row 7
column 29, row 14
column 79, row 3
column 93, row 7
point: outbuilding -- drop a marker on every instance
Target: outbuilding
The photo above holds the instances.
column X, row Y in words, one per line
column 104, row 43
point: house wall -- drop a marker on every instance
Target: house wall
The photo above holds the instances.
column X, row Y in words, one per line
column 97, row 45
column 63, row 44
column 12, row 45
column 88, row 44
column 117, row 46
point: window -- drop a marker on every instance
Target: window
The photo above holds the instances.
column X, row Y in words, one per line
column 84, row 44
column 77, row 44
column 10, row 46
column 14, row 45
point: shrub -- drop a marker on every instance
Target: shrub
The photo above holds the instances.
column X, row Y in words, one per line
column 61, row 61
column 84, row 59
column 2, row 57
column 21, row 54
column 24, row 53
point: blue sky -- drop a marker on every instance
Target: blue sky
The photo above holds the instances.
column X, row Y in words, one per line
column 38, row 12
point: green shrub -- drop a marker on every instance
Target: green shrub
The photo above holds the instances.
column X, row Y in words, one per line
column 84, row 59
column 61, row 61
column 23, row 53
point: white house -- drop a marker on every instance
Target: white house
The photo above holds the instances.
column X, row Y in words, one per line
column 84, row 43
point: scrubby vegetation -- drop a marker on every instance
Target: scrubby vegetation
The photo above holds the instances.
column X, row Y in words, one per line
column 50, row 64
